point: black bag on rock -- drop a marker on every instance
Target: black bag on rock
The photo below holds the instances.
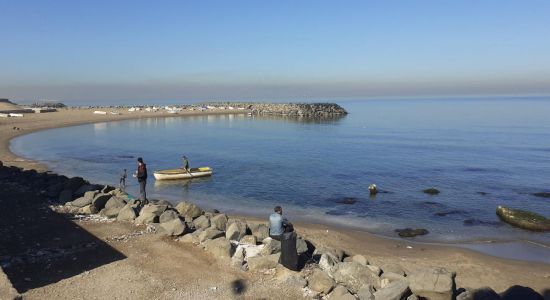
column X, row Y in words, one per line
column 289, row 255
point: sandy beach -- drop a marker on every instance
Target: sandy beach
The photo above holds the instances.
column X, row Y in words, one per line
column 158, row 267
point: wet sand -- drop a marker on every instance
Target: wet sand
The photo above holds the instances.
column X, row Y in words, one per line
column 473, row 269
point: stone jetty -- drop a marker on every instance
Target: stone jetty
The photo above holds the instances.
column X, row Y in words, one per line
column 286, row 109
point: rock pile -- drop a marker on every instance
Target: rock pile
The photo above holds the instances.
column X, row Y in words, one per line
column 289, row 109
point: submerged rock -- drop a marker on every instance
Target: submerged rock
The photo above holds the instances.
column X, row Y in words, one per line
column 347, row 200
column 409, row 232
column 478, row 222
column 450, row 212
column 523, row 219
column 431, row 191
column 542, row 194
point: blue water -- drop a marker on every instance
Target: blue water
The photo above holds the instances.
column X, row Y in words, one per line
column 500, row 147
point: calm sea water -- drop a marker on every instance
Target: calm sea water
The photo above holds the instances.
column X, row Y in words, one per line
column 479, row 153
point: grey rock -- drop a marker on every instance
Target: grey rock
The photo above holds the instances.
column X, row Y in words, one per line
column 320, row 282
column 360, row 259
column 412, row 297
column 81, row 202
column 523, row 219
column 396, row 290
column 260, row 231
column 219, row 248
column 410, row 232
column 485, row 293
column 393, row 268
column 111, row 212
column 431, row 191
column 127, row 213
column 115, row 202
column 202, row 222
column 174, row 227
column 340, row 293
column 73, row 184
column 271, row 246
column 392, row 276
column 83, row 189
column 100, row 200
column 248, row 240
column 106, row 189
column 263, row 262
column 219, row 222
column 338, row 253
column 432, row 283
column 328, row 263
column 162, row 202
column 237, row 260
column 375, row 269
column 366, row 292
column 53, row 190
column 168, row 215
column 91, row 194
column 301, row 246
column 354, row 276
column 210, row 233
column 150, row 213
column 65, row 196
column 89, row 210
column 187, row 209
column 236, row 231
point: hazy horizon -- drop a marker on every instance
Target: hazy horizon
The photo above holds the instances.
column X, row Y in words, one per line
column 103, row 51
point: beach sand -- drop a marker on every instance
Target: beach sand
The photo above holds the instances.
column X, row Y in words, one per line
column 155, row 267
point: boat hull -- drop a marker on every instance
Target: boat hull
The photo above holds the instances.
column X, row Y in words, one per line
column 182, row 174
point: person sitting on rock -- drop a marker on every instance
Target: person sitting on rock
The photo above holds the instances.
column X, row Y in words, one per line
column 278, row 224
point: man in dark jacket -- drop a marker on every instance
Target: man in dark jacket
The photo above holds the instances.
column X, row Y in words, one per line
column 141, row 175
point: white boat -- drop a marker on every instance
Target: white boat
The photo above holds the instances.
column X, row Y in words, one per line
column 181, row 173
column 99, row 112
column 16, row 115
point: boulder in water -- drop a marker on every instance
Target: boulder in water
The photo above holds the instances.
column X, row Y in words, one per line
column 409, row 232
column 431, row 191
column 523, row 219
column 542, row 194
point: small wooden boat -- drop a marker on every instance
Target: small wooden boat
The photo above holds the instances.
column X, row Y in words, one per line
column 181, row 173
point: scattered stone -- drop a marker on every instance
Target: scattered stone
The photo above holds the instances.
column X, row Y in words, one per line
column 219, row 222
column 523, row 219
column 409, row 232
column 484, row 293
column 202, row 222
column 432, row 283
column 65, row 196
column 127, row 213
column 236, row 231
column 219, row 248
column 354, row 276
column 396, row 290
column 431, row 191
column 168, row 215
column 360, row 259
column 319, row 281
column 271, row 246
column 210, row 233
column 248, row 240
column 174, row 227
column 256, row 263
column 366, row 292
column 187, row 209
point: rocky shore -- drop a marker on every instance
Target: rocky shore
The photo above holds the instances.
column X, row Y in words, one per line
column 325, row 272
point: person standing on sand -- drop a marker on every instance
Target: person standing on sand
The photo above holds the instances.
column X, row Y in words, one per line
column 141, row 175
column 277, row 223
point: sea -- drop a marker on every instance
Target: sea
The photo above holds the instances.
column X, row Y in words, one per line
column 478, row 152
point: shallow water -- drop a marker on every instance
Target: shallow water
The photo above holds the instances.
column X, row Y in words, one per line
column 479, row 153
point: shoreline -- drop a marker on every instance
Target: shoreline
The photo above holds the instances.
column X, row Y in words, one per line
column 379, row 248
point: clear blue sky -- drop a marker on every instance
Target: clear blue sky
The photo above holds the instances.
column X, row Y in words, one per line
column 272, row 49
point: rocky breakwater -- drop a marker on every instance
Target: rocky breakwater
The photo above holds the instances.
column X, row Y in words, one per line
column 287, row 109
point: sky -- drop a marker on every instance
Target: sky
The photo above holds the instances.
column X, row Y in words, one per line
column 232, row 50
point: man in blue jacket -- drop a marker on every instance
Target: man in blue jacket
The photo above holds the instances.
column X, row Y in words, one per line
column 277, row 223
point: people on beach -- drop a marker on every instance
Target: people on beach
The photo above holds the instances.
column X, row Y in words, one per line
column 122, row 182
column 278, row 224
column 141, row 175
column 185, row 163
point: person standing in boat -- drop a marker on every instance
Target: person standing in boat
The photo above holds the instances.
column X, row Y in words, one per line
column 141, row 175
column 185, row 163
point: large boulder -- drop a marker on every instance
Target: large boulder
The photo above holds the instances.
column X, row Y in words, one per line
column 53, row 190
column 187, row 209
column 100, row 200
column 150, row 213
column 523, row 219
column 111, row 212
column 65, row 196
column 366, row 292
column 410, row 232
column 81, row 202
column 248, row 240
column 219, row 248
column 127, row 213
column 168, row 215
column 83, row 189
column 73, row 184
column 396, row 290
column 360, row 259
column 260, row 231
column 354, row 275
column 393, row 268
column 485, row 293
column 301, row 246
column 90, row 195
column 263, row 262
column 320, row 282
column 340, row 293
column 210, row 233
column 174, row 227
column 88, row 210
column 392, row 276
column 271, row 246
column 115, row 202
column 328, row 263
column 202, row 222
column 235, row 231
column 337, row 253
column 219, row 221
column 433, row 283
